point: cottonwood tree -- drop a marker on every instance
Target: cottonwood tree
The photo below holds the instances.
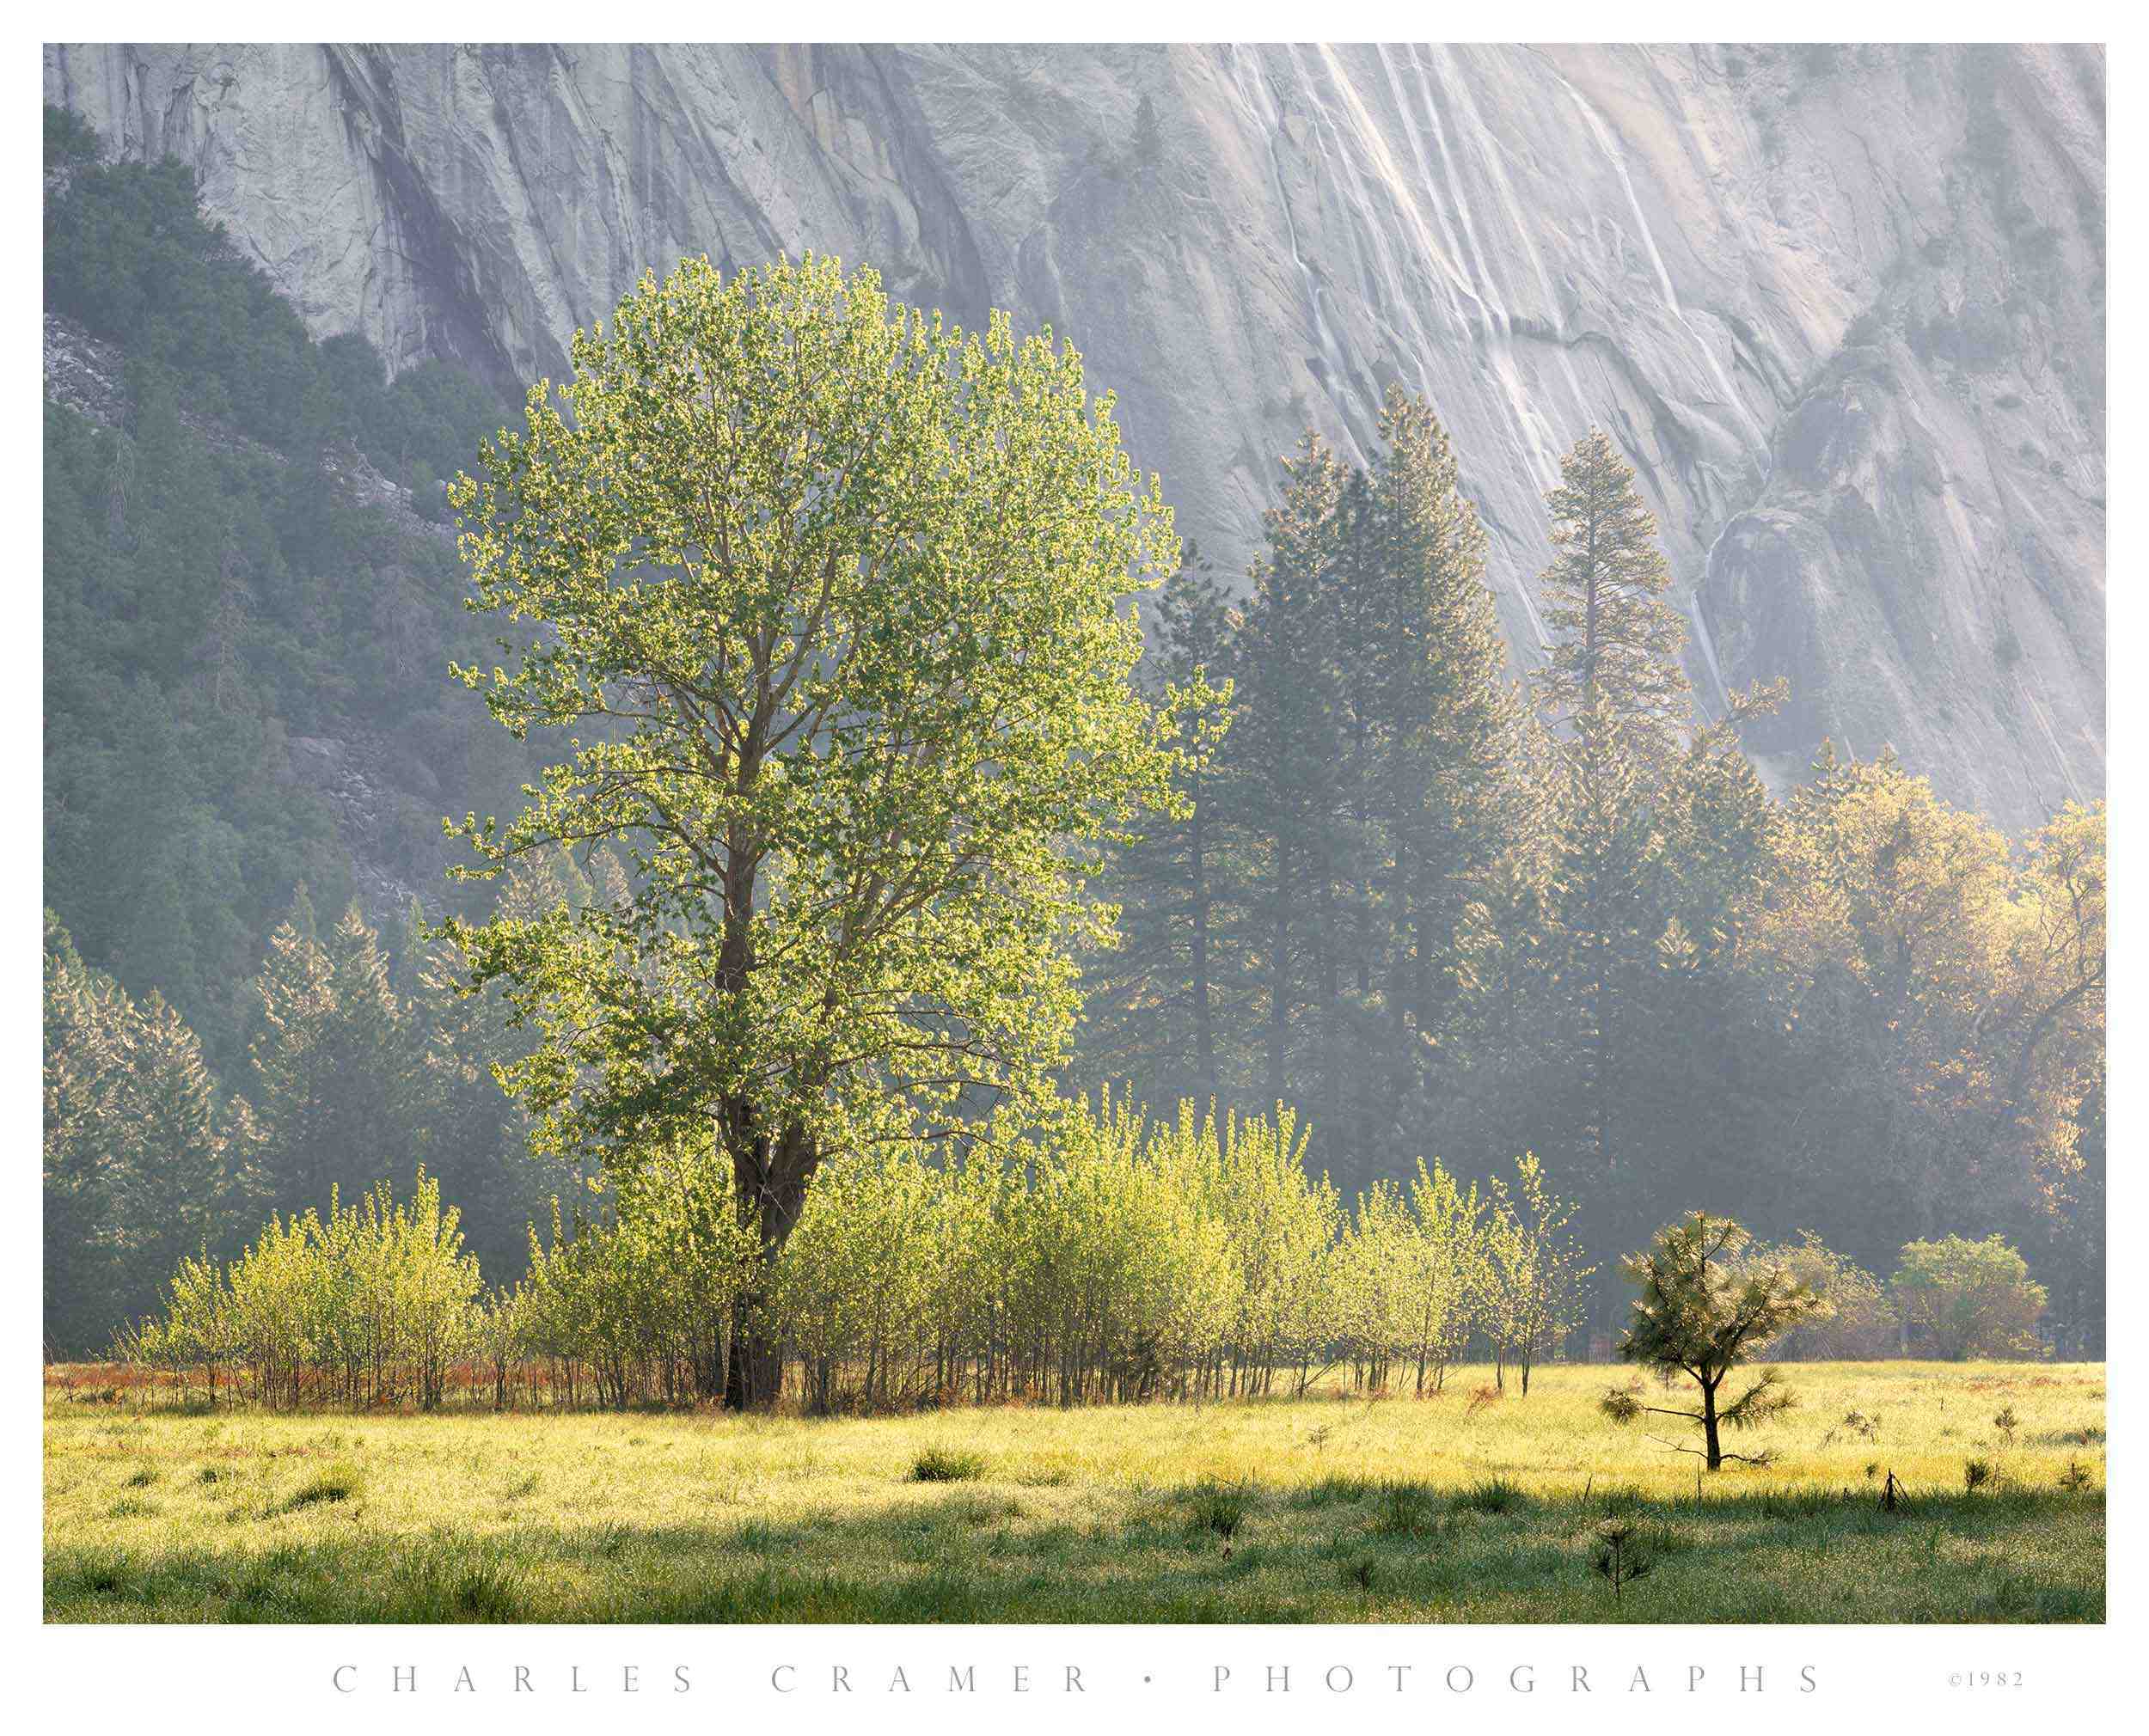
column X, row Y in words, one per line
column 1702, row 1314
column 834, row 600
column 1450, row 1269
column 1533, row 1271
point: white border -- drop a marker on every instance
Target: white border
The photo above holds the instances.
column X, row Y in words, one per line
column 252, row 1678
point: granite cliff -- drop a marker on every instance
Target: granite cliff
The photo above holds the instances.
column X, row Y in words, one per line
column 1843, row 308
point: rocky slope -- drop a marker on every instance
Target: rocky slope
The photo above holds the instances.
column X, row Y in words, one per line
column 1844, row 307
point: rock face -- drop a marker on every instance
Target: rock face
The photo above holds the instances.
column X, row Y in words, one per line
column 1843, row 308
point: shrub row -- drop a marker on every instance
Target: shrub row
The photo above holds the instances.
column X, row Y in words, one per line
column 1124, row 1259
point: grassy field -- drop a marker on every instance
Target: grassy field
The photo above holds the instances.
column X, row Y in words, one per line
column 1457, row 1509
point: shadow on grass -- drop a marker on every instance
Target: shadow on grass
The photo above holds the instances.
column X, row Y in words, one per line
column 1339, row 1551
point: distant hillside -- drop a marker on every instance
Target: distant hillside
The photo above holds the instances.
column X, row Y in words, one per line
column 247, row 632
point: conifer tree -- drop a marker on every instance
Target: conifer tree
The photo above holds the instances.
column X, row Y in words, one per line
column 1163, row 1008
column 333, row 1065
column 85, row 1063
column 406, row 958
column 1433, row 672
column 1614, row 689
column 1702, row 1313
column 1286, row 753
column 143, row 1165
column 188, row 1174
column 1616, row 641
column 1604, row 885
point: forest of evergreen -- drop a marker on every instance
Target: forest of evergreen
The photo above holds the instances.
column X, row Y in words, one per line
column 1427, row 913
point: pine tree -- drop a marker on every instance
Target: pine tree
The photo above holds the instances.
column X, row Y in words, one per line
column 85, row 1064
column 184, row 1183
column 1606, row 890
column 1702, row 1313
column 375, row 1059
column 1163, row 1004
column 335, row 1068
column 407, row 958
column 1615, row 689
column 1432, row 673
column 142, row 1165
column 1285, row 755
column 1617, row 642
column 1701, row 1068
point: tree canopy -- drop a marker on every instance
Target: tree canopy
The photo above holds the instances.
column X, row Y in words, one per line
column 831, row 599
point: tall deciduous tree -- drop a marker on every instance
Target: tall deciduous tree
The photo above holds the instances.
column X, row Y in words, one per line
column 1534, row 1272
column 834, row 600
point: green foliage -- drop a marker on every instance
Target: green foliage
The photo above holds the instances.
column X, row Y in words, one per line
column 332, row 1063
column 834, row 595
column 128, row 255
column 369, row 1305
column 1703, row 1312
column 1299, row 931
column 1857, row 1322
column 943, row 1464
column 338, row 1482
column 1962, row 1298
column 212, row 590
column 1533, row 1273
column 1163, row 1001
column 639, row 1301
column 1632, row 958
column 854, row 711
column 1616, row 641
column 1110, row 1259
column 142, row 1163
column 1492, row 1494
column 1620, row 1557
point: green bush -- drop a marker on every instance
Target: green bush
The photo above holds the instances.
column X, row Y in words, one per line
column 1861, row 1323
column 372, row 1304
column 1962, row 1298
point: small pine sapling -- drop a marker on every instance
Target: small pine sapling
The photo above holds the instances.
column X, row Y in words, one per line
column 1701, row 1317
column 1619, row 1560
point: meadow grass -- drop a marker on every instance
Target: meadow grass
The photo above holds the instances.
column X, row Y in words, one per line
column 1333, row 1509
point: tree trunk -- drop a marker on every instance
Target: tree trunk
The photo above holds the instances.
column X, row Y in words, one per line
column 1204, row 1029
column 1279, row 1002
column 1709, row 1435
column 772, row 1177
